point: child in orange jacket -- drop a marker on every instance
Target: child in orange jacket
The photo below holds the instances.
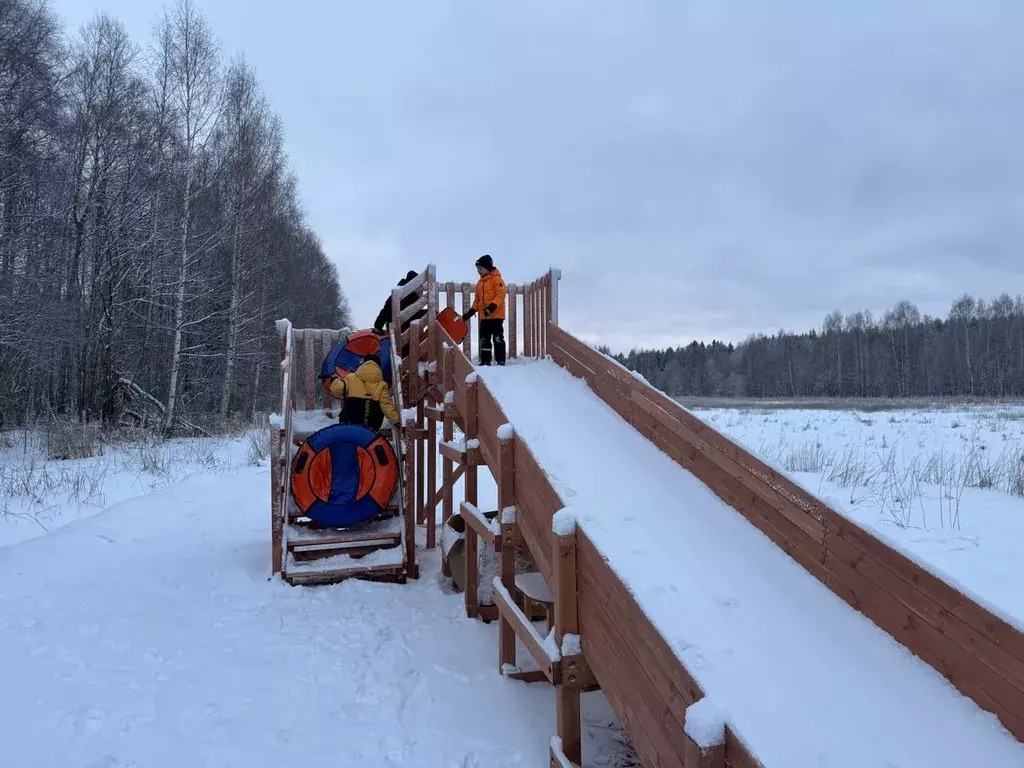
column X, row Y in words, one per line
column 490, row 303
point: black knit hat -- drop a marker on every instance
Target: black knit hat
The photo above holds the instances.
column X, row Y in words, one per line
column 485, row 261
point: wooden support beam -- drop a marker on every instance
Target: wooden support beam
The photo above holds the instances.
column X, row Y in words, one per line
column 421, row 435
column 467, row 342
column 507, row 563
column 432, row 412
column 413, row 383
column 567, row 698
column 431, row 507
column 439, row 495
column 447, row 435
column 530, row 676
column 523, row 628
column 475, row 519
column 513, row 328
column 310, row 377
column 470, row 542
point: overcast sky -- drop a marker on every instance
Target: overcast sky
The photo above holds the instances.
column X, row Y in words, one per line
column 700, row 169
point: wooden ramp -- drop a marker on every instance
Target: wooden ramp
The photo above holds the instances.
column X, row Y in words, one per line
column 600, row 636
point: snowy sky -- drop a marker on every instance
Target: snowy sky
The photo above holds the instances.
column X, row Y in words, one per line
column 696, row 169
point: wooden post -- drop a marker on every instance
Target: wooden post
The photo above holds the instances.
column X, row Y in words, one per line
column 513, row 301
column 471, row 541
column 421, row 418
column 413, row 389
column 507, row 565
column 567, row 697
column 447, row 434
column 276, row 500
column 556, row 276
column 432, row 301
column 467, row 343
column 449, row 295
column 431, row 510
column 527, row 327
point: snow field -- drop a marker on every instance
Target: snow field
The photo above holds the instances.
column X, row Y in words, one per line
column 38, row 495
column 946, row 486
column 804, row 679
column 150, row 635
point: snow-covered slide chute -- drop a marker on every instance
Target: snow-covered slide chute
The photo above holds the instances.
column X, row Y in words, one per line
column 343, row 475
column 348, row 354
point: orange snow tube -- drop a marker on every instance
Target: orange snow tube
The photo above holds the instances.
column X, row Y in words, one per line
column 343, row 475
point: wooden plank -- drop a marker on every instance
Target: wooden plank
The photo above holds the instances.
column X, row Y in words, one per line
column 628, row 690
column 420, row 474
column 431, row 512
column 507, row 562
column 447, row 435
column 948, row 599
column 567, row 700
column 467, row 343
column 523, row 629
column 964, row 635
column 971, row 677
column 490, row 418
column 470, row 543
column 603, row 598
column 513, row 328
column 475, row 519
column 308, row 378
column 527, row 326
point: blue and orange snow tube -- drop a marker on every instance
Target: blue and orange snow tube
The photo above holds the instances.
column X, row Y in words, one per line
column 348, row 354
column 343, row 475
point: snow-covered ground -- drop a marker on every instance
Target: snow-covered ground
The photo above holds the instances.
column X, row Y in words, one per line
column 143, row 630
column 38, row 496
column 946, row 486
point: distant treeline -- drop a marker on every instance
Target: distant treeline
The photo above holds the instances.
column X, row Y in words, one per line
column 150, row 227
column 977, row 350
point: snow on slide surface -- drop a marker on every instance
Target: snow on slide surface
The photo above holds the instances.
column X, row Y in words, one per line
column 802, row 677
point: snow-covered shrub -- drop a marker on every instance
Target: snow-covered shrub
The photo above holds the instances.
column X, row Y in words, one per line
column 258, row 448
column 68, row 439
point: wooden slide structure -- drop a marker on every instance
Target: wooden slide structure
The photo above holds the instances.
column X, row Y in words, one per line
column 613, row 645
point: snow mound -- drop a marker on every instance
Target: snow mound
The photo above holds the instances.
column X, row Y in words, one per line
column 705, row 723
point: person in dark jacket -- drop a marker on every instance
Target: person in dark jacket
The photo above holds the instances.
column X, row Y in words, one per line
column 490, row 303
column 365, row 396
column 383, row 321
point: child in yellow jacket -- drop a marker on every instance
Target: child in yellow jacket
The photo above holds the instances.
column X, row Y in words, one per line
column 365, row 396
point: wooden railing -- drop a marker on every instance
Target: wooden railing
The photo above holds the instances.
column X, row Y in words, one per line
column 528, row 315
column 977, row 651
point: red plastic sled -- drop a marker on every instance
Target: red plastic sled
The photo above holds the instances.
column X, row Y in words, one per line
column 452, row 322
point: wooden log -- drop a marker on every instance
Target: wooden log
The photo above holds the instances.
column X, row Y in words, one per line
column 567, row 699
column 449, row 289
column 507, row 563
column 413, row 386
